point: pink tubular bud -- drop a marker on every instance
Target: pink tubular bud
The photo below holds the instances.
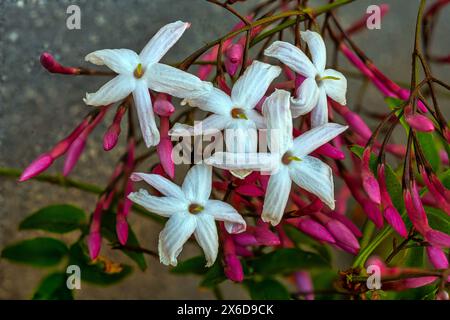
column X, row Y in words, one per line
column 304, row 284
column 233, row 268
column 73, row 154
column 395, row 220
column 113, row 132
column 437, row 257
column 61, row 147
column 49, row 63
column 162, row 105
column 250, row 190
column 94, row 242
column 245, row 239
column 369, row 182
column 373, row 212
column 330, row 151
column 346, row 221
column 420, row 122
column 264, row 236
column 343, row 235
column 437, row 238
column 233, row 58
column 39, row 165
column 121, row 226
column 312, row 228
column 436, row 190
column 353, row 120
column 165, row 148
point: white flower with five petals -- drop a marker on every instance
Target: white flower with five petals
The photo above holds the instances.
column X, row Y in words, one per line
column 189, row 211
column 311, row 95
column 136, row 73
column 289, row 159
column 235, row 112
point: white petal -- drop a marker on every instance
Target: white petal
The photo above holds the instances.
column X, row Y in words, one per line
column 277, row 196
column 317, row 48
column 293, row 57
column 197, row 184
column 253, row 84
column 314, row 176
column 174, row 235
column 314, row 138
column 114, row 90
column 163, row 185
column 335, row 89
column 118, row 60
column 307, row 98
column 319, row 114
column 212, row 100
column 239, row 161
column 175, row 82
column 144, row 108
column 207, row 238
column 212, row 124
column 221, row 211
column 164, row 206
column 257, row 118
column 279, row 121
column 162, row 41
column 241, row 136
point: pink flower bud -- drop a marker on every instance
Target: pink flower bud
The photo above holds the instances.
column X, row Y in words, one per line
column 233, row 58
column 222, row 83
column 395, row 220
column 328, row 150
column 162, row 105
column 436, row 190
column 245, row 239
column 373, row 212
column 343, row 235
column 249, row 190
column 164, row 148
column 370, row 183
column 233, row 268
column 437, row 257
column 346, row 221
column 121, row 226
column 73, row 154
column 309, row 226
column 49, row 63
column 264, row 236
column 111, row 137
column 437, row 238
column 39, row 165
column 304, row 284
column 94, row 242
column 355, row 122
column 420, row 122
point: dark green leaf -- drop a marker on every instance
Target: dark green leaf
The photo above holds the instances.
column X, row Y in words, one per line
column 40, row 252
column 438, row 219
column 267, row 289
column 214, row 276
column 109, row 232
column 53, row 287
column 429, row 149
column 195, row 265
column 57, row 218
column 94, row 271
column 286, row 261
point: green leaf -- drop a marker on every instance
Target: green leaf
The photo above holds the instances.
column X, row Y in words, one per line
column 397, row 104
column 53, row 287
column 438, row 219
column 267, row 289
column 39, row 252
column 195, row 265
column 392, row 182
column 429, row 149
column 109, row 232
column 214, row 276
column 286, row 261
column 56, row 218
column 92, row 271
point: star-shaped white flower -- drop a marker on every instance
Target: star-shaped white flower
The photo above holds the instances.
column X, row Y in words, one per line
column 136, row 73
column 289, row 159
column 319, row 83
column 189, row 211
column 235, row 112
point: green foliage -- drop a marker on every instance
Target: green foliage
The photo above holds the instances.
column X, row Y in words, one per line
column 53, row 287
column 56, row 218
column 39, row 252
column 429, row 149
column 438, row 219
column 94, row 272
column 214, row 276
column 285, row 260
column 195, row 265
column 109, row 232
column 267, row 289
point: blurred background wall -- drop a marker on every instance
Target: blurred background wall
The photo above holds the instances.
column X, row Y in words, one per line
column 37, row 108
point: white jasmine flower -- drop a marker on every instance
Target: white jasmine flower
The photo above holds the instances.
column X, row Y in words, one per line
column 289, row 158
column 319, row 83
column 189, row 211
column 136, row 73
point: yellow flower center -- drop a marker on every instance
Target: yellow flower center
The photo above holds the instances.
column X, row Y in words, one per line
column 139, row 71
column 238, row 113
column 288, row 157
column 195, row 208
